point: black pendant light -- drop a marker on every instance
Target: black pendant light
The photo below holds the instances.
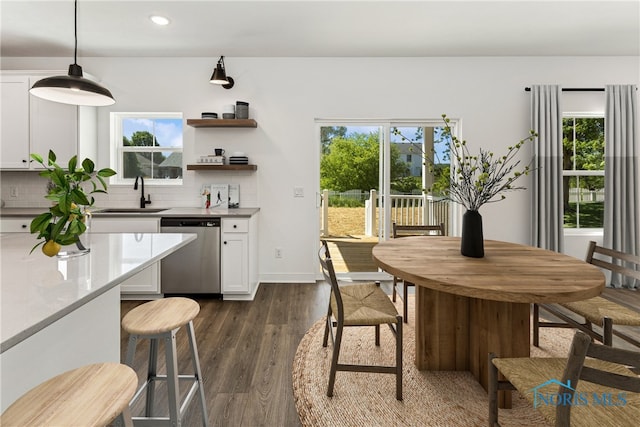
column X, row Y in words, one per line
column 220, row 77
column 73, row 88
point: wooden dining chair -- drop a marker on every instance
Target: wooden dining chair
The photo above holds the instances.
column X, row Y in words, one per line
column 411, row 230
column 594, row 386
column 598, row 311
column 358, row 305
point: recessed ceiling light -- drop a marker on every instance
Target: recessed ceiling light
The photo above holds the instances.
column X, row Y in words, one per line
column 159, row 20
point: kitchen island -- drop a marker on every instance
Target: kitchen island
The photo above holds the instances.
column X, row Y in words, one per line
column 58, row 314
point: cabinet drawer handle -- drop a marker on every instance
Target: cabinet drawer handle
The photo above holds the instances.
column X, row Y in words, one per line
column 24, row 225
column 224, row 243
column 235, row 225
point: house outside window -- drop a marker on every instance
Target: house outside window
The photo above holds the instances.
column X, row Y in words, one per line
column 147, row 145
column 583, row 171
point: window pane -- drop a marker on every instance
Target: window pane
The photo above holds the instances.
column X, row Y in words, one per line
column 149, row 132
column 151, row 147
column 583, row 143
column 583, row 150
column 585, row 207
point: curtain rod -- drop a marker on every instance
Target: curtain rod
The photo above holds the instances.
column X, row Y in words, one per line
column 575, row 89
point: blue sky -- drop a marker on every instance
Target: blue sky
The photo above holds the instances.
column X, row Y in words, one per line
column 168, row 132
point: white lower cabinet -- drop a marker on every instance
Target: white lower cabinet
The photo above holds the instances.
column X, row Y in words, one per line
column 145, row 284
column 239, row 258
column 15, row 225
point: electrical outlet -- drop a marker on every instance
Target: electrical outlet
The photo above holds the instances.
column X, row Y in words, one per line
column 298, row 192
column 278, row 253
column 13, row 191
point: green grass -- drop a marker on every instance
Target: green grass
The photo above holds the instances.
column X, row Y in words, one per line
column 591, row 215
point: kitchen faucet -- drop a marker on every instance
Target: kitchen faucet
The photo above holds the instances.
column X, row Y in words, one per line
column 143, row 202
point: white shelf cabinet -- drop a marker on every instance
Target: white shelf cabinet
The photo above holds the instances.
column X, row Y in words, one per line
column 239, row 258
column 145, row 284
column 34, row 125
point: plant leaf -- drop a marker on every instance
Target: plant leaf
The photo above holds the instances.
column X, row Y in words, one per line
column 37, row 157
column 72, row 164
column 88, row 165
column 40, row 222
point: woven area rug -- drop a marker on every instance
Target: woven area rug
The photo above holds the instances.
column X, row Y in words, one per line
column 443, row 398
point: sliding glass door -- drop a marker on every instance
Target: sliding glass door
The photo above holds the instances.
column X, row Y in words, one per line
column 374, row 173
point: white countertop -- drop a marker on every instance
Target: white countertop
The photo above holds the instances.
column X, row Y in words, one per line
column 36, row 290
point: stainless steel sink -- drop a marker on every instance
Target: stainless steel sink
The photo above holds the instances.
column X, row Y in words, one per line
column 130, row 210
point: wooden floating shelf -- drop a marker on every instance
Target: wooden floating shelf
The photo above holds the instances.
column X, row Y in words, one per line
column 222, row 123
column 206, row 167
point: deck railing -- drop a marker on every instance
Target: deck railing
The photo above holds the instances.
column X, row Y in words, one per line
column 408, row 210
column 405, row 209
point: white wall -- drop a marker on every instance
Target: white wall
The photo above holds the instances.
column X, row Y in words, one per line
column 287, row 94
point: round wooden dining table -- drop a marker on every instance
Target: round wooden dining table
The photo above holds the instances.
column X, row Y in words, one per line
column 467, row 307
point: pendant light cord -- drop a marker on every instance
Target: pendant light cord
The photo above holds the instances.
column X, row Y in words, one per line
column 75, row 33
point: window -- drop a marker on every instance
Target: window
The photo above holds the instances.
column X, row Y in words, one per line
column 583, row 171
column 148, row 145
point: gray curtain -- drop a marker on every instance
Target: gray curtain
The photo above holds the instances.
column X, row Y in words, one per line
column 621, row 180
column 547, row 210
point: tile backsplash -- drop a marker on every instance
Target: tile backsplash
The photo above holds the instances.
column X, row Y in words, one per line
column 19, row 189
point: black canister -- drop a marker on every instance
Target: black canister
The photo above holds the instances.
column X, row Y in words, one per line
column 242, row 110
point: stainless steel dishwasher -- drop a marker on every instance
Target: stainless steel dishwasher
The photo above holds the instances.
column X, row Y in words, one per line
column 194, row 268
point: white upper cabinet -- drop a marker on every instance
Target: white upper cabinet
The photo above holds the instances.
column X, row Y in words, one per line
column 34, row 125
column 53, row 126
column 14, row 102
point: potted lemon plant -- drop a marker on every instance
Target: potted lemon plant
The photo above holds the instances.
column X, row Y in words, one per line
column 66, row 220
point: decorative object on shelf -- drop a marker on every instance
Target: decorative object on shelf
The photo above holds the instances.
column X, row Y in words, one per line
column 67, row 219
column 229, row 111
column 209, row 115
column 475, row 180
column 73, row 88
column 238, row 158
column 220, row 77
column 242, row 110
column 215, row 160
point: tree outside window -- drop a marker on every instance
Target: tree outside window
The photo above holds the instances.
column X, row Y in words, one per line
column 583, row 172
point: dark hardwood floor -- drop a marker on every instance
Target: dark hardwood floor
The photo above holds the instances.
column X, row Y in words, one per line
column 246, row 352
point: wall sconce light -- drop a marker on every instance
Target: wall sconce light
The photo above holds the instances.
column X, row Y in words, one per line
column 220, row 77
column 73, row 88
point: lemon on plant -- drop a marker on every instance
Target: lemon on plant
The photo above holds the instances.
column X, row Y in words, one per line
column 50, row 248
column 73, row 216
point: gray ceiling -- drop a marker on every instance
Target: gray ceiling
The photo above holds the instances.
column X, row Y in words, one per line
column 209, row 28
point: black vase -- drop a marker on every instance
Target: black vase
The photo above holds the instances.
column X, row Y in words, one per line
column 472, row 242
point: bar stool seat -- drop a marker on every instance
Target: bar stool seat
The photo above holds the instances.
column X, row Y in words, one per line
column 92, row 395
column 160, row 320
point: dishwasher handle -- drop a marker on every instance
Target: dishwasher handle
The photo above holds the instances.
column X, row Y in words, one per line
column 190, row 222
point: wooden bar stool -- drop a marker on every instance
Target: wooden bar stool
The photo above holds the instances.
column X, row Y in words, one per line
column 160, row 320
column 92, row 395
